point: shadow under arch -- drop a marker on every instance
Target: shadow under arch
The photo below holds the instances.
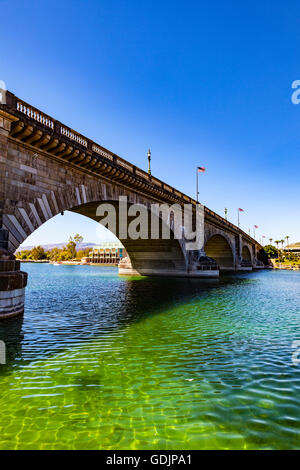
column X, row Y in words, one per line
column 246, row 254
column 218, row 248
column 148, row 256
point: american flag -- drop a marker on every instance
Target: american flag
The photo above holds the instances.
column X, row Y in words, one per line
column 201, row 169
column 241, row 210
column 256, row 226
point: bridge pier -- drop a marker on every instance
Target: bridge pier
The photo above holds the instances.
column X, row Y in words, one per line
column 198, row 266
column 12, row 281
column 245, row 266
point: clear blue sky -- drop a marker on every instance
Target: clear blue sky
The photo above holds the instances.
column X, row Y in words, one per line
column 201, row 83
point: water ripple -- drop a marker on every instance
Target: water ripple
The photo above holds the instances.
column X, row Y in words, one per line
column 102, row 362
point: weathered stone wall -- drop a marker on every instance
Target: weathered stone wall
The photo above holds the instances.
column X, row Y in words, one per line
column 12, row 280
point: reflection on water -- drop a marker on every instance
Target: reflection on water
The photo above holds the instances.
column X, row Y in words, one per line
column 105, row 362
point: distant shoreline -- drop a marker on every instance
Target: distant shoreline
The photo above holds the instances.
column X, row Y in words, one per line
column 40, row 261
column 67, row 263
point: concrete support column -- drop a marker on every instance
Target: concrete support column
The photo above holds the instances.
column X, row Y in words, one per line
column 12, row 281
column 126, row 269
column 237, row 252
column 3, row 157
column 199, row 266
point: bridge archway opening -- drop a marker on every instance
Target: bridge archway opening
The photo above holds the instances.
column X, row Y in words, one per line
column 56, row 231
column 263, row 257
column 146, row 256
column 218, row 248
column 246, row 255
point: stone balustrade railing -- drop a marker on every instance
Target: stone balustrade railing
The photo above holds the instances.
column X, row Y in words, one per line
column 100, row 151
column 72, row 135
column 35, row 114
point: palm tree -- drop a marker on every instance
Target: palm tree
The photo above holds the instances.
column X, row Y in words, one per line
column 282, row 242
column 277, row 243
column 287, row 241
column 270, row 240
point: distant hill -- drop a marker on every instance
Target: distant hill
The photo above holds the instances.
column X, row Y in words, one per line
column 80, row 246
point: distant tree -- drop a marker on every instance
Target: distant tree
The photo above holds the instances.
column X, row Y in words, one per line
column 277, row 243
column 38, row 253
column 292, row 257
column 24, row 254
column 71, row 246
column 287, row 241
column 65, row 255
column 271, row 251
column 53, row 254
column 78, row 238
column 70, row 249
column 82, row 253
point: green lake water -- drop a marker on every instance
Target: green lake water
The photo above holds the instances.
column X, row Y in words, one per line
column 104, row 362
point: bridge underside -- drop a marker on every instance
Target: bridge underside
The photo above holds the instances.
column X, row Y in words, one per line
column 152, row 257
column 219, row 249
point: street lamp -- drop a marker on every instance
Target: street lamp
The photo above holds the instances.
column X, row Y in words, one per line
column 149, row 161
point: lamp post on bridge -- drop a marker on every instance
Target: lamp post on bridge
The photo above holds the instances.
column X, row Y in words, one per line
column 149, row 162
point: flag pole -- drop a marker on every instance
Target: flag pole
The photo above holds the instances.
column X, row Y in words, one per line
column 198, row 169
column 238, row 218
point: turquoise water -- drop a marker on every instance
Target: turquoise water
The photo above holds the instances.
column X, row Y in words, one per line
column 105, row 362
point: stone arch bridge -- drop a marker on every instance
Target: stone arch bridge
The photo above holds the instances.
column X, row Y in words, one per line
column 47, row 168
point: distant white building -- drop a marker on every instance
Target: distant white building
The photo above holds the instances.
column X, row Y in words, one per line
column 107, row 253
column 293, row 248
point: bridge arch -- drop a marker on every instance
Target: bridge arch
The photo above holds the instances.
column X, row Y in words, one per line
column 219, row 248
column 146, row 256
column 246, row 253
